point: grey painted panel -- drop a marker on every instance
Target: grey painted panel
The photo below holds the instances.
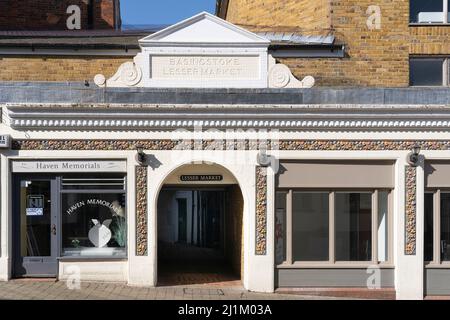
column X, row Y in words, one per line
column 417, row 95
column 344, row 96
column 437, row 281
column 78, row 92
column 335, row 174
column 330, row 278
column 437, row 174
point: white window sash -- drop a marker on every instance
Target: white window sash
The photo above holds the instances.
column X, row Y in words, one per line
column 445, row 11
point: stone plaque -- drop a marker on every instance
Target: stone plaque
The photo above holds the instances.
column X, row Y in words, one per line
column 204, row 67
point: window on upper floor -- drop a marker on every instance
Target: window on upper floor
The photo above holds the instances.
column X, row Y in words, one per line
column 433, row 71
column 429, row 11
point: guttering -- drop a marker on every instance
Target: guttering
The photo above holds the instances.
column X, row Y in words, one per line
column 117, row 16
column 307, row 51
column 33, row 51
column 69, row 49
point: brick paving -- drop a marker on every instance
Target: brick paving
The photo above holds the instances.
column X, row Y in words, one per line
column 25, row 289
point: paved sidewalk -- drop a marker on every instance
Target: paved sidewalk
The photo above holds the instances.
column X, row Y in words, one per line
column 51, row 290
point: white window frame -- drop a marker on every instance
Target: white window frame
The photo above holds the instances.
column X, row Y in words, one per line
column 445, row 68
column 436, row 262
column 446, row 72
column 445, row 13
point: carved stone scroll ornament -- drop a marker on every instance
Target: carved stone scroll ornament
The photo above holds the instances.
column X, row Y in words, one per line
column 280, row 76
column 129, row 74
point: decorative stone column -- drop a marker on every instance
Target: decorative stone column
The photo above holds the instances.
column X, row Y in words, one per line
column 261, row 211
column 410, row 210
column 141, row 211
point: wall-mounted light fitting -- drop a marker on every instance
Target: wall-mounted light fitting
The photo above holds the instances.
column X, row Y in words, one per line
column 263, row 159
column 413, row 156
column 141, row 157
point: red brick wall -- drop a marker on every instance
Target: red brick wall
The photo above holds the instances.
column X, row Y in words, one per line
column 104, row 14
column 51, row 14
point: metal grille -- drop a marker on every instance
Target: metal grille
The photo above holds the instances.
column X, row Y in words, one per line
column 110, row 183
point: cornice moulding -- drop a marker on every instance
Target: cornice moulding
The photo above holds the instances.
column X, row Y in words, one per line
column 170, row 117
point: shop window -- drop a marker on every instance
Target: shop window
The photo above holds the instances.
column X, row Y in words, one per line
column 280, row 227
column 428, row 12
column 310, row 225
column 428, row 71
column 353, row 212
column 437, row 227
column 333, row 227
column 445, row 227
column 383, row 226
column 93, row 217
column 428, row 227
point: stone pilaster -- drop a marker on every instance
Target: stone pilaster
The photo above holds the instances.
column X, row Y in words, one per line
column 261, row 211
column 410, row 210
column 141, row 211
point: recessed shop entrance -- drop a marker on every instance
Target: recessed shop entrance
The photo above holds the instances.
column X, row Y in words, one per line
column 200, row 234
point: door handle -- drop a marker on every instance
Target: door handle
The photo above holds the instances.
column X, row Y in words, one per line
column 53, row 229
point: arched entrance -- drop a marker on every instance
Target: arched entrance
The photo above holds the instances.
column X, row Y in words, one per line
column 200, row 225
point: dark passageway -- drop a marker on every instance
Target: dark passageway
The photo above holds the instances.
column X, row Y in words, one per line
column 199, row 236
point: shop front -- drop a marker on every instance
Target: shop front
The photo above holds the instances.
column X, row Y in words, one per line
column 334, row 222
column 67, row 211
column 234, row 163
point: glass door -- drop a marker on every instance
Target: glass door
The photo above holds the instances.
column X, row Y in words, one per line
column 35, row 227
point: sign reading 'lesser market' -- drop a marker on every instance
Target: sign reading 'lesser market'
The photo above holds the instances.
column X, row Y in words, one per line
column 201, row 177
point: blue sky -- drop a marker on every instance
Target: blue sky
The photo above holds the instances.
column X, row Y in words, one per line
column 157, row 12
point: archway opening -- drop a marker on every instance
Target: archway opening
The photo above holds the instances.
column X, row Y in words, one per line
column 200, row 224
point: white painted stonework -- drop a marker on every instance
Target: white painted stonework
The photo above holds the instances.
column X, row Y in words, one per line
column 204, row 52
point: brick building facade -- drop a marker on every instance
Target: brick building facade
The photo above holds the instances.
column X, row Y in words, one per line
column 53, row 14
column 372, row 56
column 204, row 139
column 377, row 57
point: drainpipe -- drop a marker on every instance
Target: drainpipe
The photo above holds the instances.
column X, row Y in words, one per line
column 90, row 13
column 117, row 15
